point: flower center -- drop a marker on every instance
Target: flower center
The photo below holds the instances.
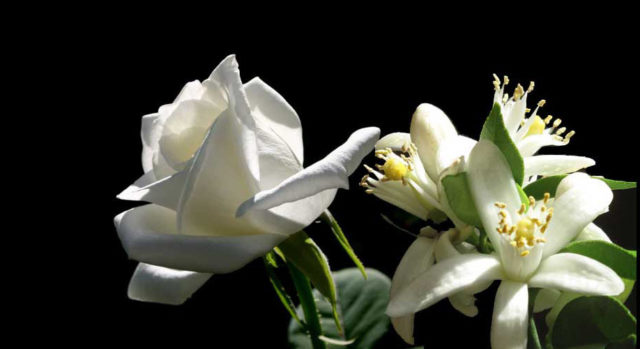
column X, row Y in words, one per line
column 530, row 225
column 395, row 168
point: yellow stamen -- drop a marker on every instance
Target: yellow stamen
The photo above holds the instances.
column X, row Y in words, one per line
column 524, row 253
column 395, row 169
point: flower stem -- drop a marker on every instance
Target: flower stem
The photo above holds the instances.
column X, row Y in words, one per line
column 533, row 341
column 308, row 304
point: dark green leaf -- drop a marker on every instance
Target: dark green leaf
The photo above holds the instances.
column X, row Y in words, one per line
column 495, row 131
column 523, row 196
column 622, row 261
column 594, row 322
column 362, row 303
column 327, row 217
column 456, row 187
column 550, row 184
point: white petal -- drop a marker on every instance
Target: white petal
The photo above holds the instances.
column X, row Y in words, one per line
column 592, row 232
column 329, row 173
column 282, row 118
column 491, row 181
column 225, row 171
column 397, row 141
column 452, row 149
column 576, row 273
column 430, row 127
column 545, row 299
column 150, row 133
column 551, row 165
column 442, row 280
column 510, row 314
column 514, row 115
column 531, row 144
column 165, row 192
column 148, row 234
column 151, row 283
column 579, row 200
column 418, row 259
column 404, row 327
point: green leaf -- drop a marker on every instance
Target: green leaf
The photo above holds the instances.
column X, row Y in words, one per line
column 593, row 321
column 495, row 131
column 550, row 184
column 617, row 185
column 621, row 260
column 300, row 250
column 362, row 303
column 327, row 217
column 456, row 187
column 271, row 265
column 523, row 196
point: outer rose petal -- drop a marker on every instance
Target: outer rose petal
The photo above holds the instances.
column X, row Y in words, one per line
column 329, row 173
column 282, row 118
column 150, row 283
column 148, row 235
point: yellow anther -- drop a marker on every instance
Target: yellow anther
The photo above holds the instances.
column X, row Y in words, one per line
column 506, row 80
column 518, row 92
column 503, row 213
column 537, row 126
column 500, row 204
column 538, row 240
column 561, row 130
column 522, row 208
column 524, row 253
column 532, row 201
column 531, row 86
column 543, row 228
column 557, row 122
column 569, row 135
column 548, row 119
column 541, row 103
column 513, row 243
column 527, row 110
column 395, row 168
column 543, row 208
column 546, row 198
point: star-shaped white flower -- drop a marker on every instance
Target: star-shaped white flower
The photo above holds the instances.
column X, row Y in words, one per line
column 526, row 241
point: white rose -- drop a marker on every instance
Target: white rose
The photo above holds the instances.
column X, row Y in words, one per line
column 223, row 145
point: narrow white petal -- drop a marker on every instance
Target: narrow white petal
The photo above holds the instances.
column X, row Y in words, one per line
column 418, row 259
column 165, row 192
column 579, row 200
column 443, row 280
column 148, row 234
column 267, row 103
column 397, row 141
column 491, row 181
column 510, row 314
column 452, row 149
column 531, row 144
column 430, row 127
column 546, row 299
column 151, row 283
column 551, row 165
column 593, row 232
column 576, row 273
column 329, row 173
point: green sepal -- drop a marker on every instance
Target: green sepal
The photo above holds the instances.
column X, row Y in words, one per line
column 303, row 252
column 495, row 131
column 327, row 217
column 271, row 264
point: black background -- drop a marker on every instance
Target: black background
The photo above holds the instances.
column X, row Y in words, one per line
column 337, row 83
